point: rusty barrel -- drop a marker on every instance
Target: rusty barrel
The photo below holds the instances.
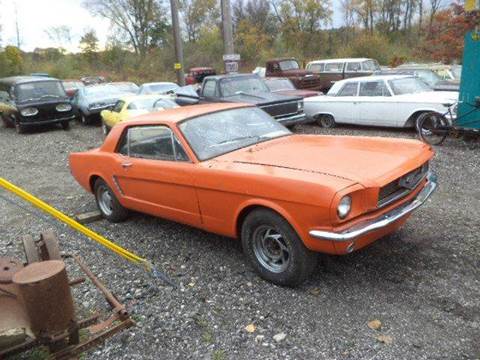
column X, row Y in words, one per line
column 45, row 293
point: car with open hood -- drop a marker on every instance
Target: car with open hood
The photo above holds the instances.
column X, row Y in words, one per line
column 129, row 107
column 384, row 100
column 28, row 101
column 251, row 89
column 92, row 99
column 231, row 169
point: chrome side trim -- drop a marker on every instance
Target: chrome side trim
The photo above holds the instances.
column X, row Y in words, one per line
column 383, row 220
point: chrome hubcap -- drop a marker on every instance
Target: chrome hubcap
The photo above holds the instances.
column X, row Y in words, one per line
column 105, row 201
column 271, row 249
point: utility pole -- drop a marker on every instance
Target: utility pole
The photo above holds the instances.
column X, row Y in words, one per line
column 177, row 37
column 227, row 27
column 17, row 28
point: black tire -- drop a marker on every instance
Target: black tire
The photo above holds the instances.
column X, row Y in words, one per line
column 107, row 203
column 19, row 128
column 105, row 129
column 267, row 237
column 432, row 128
column 326, row 121
column 65, row 125
column 84, row 119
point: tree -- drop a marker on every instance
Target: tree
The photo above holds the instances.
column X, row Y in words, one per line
column 137, row 19
column 13, row 59
column 60, row 35
column 197, row 14
column 89, row 45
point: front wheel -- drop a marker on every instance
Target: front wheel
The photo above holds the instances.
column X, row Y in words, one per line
column 65, row 125
column 326, row 121
column 432, row 128
column 84, row 119
column 108, row 204
column 275, row 250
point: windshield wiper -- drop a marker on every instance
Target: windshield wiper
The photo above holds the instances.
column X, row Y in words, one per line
column 237, row 139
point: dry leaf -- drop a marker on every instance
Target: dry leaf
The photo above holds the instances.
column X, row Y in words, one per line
column 250, row 328
column 315, row 291
column 386, row 339
column 374, row 324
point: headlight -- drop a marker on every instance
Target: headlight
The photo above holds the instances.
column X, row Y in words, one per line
column 300, row 106
column 63, row 107
column 31, row 111
column 344, row 207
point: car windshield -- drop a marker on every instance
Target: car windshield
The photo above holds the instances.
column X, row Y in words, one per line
column 242, row 85
column 101, row 91
column 408, row 85
column 161, row 88
column 370, row 65
column 279, row 84
column 428, row 76
column 39, row 90
column 218, row 133
column 152, row 104
column 289, row 65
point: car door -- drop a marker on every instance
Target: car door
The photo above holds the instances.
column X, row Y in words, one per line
column 342, row 105
column 374, row 104
column 154, row 174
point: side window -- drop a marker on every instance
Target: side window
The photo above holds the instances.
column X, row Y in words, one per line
column 349, row 89
column 354, row 66
column 152, row 142
column 118, row 106
column 334, row 67
column 373, row 88
column 209, row 88
column 317, row 67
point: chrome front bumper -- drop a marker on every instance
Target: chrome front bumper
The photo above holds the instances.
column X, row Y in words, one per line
column 293, row 120
column 382, row 221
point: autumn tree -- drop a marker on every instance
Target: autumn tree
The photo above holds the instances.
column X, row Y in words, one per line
column 137, row 20
column 89, row 45
column 197, row 14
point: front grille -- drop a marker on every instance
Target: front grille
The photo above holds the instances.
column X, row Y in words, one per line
column 402, row 186
column 282, row 109
column 310, row 83
column 47, row 112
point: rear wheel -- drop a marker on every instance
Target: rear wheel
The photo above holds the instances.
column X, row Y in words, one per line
column 275, row 250
column 432, row 128
column 84, row 119
column 326, row 121
column 108, row 204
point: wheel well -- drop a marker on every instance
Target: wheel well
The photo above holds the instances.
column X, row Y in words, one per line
column 92, row 180
column 413, row 118
column 247, row 210
column 319, row 115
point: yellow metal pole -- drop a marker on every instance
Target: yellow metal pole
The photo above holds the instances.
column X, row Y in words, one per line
column 74, row 224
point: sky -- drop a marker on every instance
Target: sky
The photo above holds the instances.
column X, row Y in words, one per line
column 36, row 16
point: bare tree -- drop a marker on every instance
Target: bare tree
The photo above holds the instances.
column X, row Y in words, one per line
column 60, row 35
column 197, row 14
column 435, row 5
column 139, row 20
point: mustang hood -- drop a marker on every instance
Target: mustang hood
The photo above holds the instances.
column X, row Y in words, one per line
column 368, row 161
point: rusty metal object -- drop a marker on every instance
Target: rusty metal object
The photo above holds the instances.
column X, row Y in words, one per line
column 44, row 285
column 36, row 305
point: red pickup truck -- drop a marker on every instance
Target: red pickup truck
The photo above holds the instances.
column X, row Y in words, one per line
column 289, row 68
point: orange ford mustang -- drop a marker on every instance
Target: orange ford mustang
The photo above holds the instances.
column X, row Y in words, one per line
column 233, row 170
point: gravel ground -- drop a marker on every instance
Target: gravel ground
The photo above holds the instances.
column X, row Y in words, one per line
column 421, row 283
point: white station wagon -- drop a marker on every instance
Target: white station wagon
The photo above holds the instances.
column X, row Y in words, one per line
column 387, row 100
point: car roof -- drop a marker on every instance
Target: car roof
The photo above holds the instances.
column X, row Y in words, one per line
column 327, row 61
column 282, row 59
column 12, row 80
column 175, row 115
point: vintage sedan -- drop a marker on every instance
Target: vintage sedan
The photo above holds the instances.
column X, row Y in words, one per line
column 384, row 100
column 130, row 106
column 233, row 170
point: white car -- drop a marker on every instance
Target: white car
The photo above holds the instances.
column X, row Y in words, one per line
column 387, row 100
column 157, row 88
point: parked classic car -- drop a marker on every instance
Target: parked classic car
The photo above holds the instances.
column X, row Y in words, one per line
column 93, row 80
column 26, row 101
column 92, row 99
column 131, row 106
column 251, row 89
column 157, row 88
column 389, row 100
column 197, row 74
column 429, row 76
column 284, row 86
column 126, row 87
column 231, row 169
column 333, row 70
column 289, row 68
column 72, row 86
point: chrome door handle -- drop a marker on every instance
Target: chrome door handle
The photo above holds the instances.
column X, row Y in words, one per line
column 126, row 165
